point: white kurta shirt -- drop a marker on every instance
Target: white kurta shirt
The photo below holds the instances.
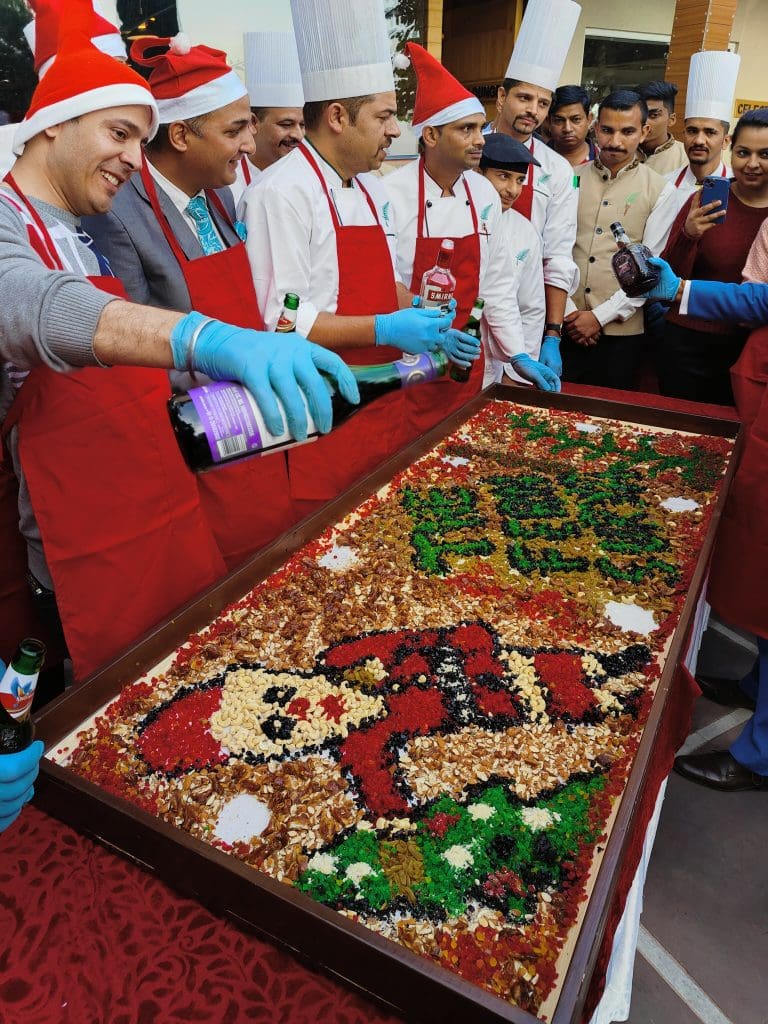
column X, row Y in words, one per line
column 683, row 188
column 291, row 238
column 523, row 241
column 451, row 217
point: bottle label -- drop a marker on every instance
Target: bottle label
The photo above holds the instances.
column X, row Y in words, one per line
column 17, row 691
column 436, row 296
column 233, row 423
column 413, row 369
column 285, row 324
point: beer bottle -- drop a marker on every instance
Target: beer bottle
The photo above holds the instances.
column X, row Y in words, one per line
column 461, row 373
column 221, row 421
column 438, row 284
column 630, row 264
column 17, row 690
column 287, row 320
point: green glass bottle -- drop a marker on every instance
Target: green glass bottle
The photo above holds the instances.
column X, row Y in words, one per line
column 219, row 422
column 17, row 691
column 286, row 322
column 461, row 374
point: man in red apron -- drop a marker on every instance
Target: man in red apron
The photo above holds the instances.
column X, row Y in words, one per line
column 437, row 197
column 273, row 79
column 113, row 522
column 737, row 588
column 171, row 238
column 320, row 227
column 549, row 199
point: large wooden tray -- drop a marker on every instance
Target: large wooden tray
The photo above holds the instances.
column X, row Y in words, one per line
column 394, row 975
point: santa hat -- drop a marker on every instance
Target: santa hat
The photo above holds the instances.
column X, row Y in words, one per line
column 42, row 33
column 440, row 98
column 80, row 81
column 187, row 80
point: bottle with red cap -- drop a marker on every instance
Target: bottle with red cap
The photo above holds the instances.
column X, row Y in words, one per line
column 438, row 284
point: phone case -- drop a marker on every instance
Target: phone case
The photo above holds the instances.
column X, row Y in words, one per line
column 715, row 187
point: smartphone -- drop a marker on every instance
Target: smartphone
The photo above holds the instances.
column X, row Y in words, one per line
column 713, row 187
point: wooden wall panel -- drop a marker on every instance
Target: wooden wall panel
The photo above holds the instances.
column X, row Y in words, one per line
column 698, row 25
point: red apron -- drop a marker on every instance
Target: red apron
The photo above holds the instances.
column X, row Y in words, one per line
column 323, row 469
column 524, row 202
column 737, row 579
column 428, row 404
column 248, row 504
column 125, row 538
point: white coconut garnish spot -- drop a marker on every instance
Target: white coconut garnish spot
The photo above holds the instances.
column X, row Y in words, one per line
column 538, row 818
column 358, row 871
column 680, row 504
column 630, row 617
column 455, row 460
column 322, row 862
column 459, row 856
column 242, row 818
column 587, row 428
column 338, row 558
column 481, row 812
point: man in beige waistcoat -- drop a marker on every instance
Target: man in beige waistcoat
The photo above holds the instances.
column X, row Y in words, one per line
column 603, row 343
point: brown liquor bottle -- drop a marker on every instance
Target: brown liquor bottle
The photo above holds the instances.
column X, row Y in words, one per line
column 630, row 264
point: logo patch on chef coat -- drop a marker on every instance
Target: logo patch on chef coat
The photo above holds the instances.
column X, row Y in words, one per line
column 385, row 213
column 522, row 256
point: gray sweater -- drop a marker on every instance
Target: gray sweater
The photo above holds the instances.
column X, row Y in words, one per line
column 47, row 317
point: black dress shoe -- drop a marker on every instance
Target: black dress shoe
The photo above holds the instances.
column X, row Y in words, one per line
column 725, row 691
column 719, row 770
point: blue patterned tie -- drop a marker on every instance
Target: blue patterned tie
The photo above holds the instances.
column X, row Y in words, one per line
column 197, row 208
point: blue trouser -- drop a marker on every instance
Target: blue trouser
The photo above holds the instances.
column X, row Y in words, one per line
column 751, row 748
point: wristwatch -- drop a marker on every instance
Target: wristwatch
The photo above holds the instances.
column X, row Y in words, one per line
column 556, row 329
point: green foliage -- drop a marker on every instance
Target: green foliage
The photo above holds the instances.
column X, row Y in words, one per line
column 17, row 73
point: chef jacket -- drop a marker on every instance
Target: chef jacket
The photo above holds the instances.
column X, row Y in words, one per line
column 451, row 217
column 291, row 237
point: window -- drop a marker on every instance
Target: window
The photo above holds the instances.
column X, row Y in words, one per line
column 622, row 60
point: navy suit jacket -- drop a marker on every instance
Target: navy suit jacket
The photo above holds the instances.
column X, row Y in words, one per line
column 133, row 242
column 740, row 303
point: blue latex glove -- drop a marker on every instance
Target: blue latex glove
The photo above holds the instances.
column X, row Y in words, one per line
column 460, row 348
column 549, row 354
column 668, row 283
column 270, row 366
column 414, row 330
column 17, row 775
column 537, row 373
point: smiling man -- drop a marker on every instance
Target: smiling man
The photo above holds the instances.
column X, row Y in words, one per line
column 604, row 333
column 273, row 79
column 440, row 196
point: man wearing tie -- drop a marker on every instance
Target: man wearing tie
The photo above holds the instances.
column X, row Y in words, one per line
column 172, row 239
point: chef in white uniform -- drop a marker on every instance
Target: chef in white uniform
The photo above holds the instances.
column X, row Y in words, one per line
column 505, row 164
column 550, row 197
column 708, row 106
column 322, row 228
column 439, row 196
column 42, row 36
column 273, row 80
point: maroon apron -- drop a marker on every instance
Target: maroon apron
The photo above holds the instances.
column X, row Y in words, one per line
column 739, row 570
column 248, row 503
column 124, row 534
column 323, row 469
column 428, row 404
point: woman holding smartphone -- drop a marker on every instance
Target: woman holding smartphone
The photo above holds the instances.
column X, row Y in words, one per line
column 711, row 244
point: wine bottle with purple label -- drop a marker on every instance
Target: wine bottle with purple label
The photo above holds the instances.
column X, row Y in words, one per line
column 220, row 422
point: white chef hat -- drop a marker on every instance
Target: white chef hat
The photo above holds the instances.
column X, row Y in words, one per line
column 272, row 72
column 543, row 42
column 712, row 84
column 343, row 48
